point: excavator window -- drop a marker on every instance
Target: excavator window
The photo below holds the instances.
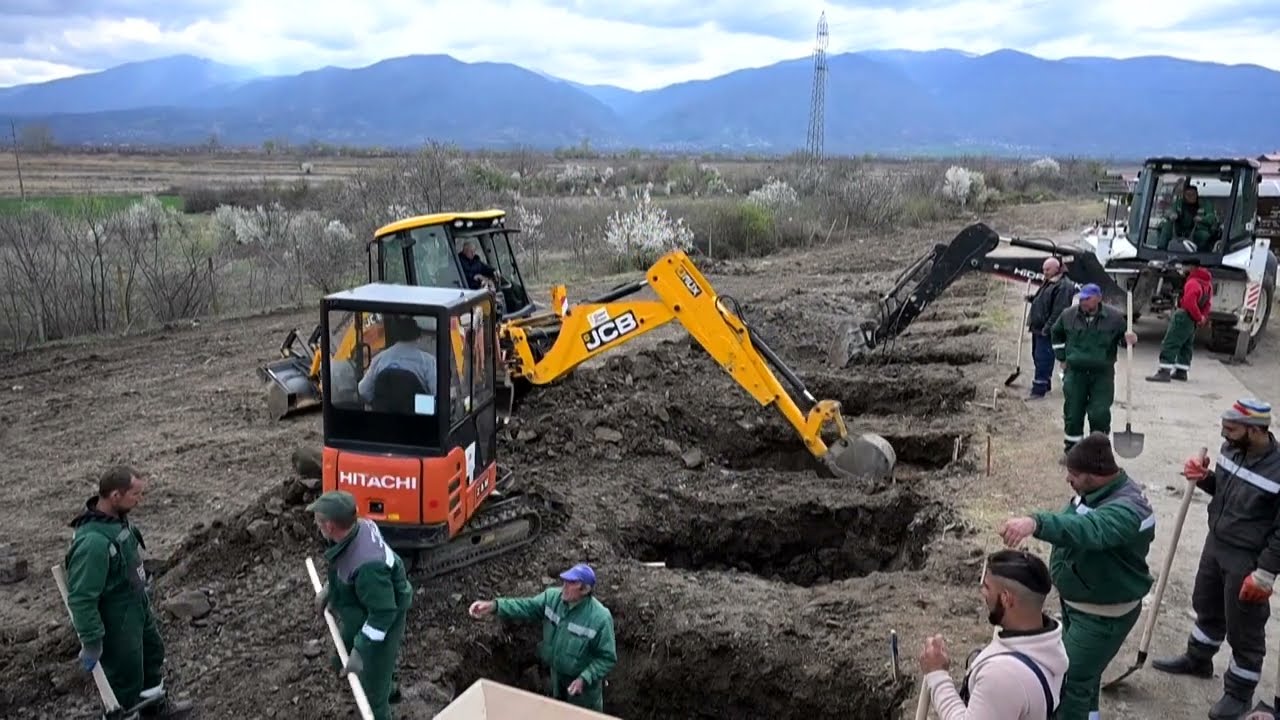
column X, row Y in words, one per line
column 390, row 385
column 433, row 262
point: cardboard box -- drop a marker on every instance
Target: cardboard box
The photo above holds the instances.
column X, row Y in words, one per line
column 489, row 700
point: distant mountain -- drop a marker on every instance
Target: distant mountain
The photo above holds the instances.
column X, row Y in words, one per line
column 175, row 80
column 1005, row 102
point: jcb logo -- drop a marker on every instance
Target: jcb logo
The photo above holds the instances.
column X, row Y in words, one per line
column 690, row 284
column 609, row 331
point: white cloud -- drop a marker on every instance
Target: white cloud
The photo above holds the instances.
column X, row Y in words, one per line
column 631, row 44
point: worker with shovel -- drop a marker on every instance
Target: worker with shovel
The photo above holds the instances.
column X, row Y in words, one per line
column 107, row 596
column 368, row 592
column 1240, row 558
column 1100, row 542
column 1086, row 340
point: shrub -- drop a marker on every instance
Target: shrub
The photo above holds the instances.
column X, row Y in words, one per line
column 639, row 236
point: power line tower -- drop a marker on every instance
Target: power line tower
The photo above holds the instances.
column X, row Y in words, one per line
column 817, row 100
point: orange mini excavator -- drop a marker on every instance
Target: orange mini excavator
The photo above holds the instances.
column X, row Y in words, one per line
column 410, row 422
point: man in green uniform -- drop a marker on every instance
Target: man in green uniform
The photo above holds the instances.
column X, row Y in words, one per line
column 368, row 592
column 1190, row 220
column 577, row 635
column 107, row 595
column 1085, row 340
column 1099, row 565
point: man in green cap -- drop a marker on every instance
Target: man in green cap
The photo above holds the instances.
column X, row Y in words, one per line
column 1099, row 564
column 107, row 596
column 368, row 591
column 577, row 635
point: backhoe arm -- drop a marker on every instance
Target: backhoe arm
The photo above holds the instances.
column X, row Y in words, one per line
column 973, row 249
column 685, row 295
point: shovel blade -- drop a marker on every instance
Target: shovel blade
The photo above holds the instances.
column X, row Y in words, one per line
column 1128, row 444
column 1013, row 376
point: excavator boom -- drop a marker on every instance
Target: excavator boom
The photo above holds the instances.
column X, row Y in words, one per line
column 685, row 295
column 977, row 248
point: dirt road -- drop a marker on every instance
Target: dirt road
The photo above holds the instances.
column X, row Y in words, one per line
column 1176, row 419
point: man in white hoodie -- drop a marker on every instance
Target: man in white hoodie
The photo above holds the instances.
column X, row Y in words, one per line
column 1018, row 676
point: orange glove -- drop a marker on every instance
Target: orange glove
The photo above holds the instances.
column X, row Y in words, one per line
column 1195, row 469
column 1256, row 587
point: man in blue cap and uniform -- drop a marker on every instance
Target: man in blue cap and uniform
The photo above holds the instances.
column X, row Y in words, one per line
column 577, row 635
column 1240, row 559
column 1086, row 340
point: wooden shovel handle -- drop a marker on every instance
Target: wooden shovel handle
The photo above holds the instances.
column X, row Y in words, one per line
column 1187, row 494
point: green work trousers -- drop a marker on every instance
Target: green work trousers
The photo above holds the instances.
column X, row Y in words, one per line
column 1175, row 349
column 132, row 651
column 1086, row 392
column 592, row 697
column 1091, row 642
column 378, row 678
column 1199, row 236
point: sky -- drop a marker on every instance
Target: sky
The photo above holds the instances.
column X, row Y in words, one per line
column 637, row 44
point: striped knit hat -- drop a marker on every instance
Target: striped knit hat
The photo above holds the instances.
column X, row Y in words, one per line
column 1249, row 411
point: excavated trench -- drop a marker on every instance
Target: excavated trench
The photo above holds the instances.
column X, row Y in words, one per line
column 806, row 534
column 893, row 390
column 686, row 651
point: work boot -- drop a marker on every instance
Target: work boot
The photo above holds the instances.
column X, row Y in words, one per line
column 1180, row 375
column 1229, row 707
column 1185, row 665
column 1162, row 375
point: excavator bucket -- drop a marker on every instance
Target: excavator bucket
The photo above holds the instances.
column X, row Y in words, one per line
column 866, row 456
column 291, row 390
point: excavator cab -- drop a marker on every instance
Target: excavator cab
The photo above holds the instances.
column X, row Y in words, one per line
column 410, row 422
column 425, row 250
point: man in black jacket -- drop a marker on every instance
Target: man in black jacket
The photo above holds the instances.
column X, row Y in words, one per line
column 1240, row 559
column 1048, row 302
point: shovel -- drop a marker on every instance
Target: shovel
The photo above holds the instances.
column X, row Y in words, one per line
column 922, row 705
column 1148, row 630
column 1128, row 444
column 1022, row 330
column 357, row 690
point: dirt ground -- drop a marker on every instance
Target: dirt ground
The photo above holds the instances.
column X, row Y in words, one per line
column 780, row 587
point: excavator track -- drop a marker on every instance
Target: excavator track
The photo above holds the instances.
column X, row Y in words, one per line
column 500, row 527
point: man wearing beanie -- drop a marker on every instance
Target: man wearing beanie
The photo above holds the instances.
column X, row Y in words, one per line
column 1086, row 339
column 1240, row 559
column 1019, row 674
column 1099, row 565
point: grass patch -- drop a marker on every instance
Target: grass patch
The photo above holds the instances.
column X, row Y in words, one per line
column 62, row 204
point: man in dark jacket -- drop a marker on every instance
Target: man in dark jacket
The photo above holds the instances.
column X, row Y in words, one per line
column 1047, row 304
column 1240, row 559
column 1085, row 340
column 369, row 594
column 107, row 596
column 1179, row 337
column 474, row 269
column 1100, row 543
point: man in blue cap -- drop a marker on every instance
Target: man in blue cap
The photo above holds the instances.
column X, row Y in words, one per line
column 1240, row 558
column 1086, row 340
column 577, row 635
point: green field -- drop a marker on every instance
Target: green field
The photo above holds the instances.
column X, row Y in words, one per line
column 69, row 203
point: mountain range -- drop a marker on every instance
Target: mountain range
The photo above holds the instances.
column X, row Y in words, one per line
column 882, row 101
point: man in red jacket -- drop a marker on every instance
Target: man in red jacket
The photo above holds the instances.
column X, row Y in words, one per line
column 1192, row 312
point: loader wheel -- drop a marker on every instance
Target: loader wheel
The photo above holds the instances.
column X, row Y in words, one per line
column 1222, row 338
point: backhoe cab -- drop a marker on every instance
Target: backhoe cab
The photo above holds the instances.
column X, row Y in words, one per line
column 1164, row 237
column 425, row 250
column 410, row 422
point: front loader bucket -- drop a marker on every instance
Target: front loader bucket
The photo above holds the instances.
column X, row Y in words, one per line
column 290, row 390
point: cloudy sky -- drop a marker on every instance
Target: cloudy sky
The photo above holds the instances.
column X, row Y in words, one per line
column 632, row 43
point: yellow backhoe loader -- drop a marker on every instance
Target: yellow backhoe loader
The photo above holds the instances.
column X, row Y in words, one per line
column 539, row 346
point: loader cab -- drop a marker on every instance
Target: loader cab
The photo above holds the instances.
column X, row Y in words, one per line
column 410, row 414
column 424, row 250
column 1229, row 187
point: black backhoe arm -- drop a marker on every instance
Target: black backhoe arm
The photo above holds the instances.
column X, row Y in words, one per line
column 924, row 280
